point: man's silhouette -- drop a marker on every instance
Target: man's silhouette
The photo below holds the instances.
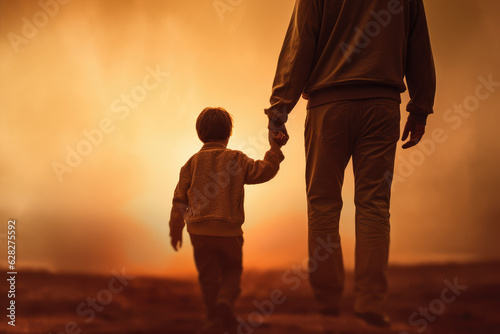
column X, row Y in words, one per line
column 349, row 58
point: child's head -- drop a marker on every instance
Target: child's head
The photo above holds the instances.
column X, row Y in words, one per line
column 214, row 124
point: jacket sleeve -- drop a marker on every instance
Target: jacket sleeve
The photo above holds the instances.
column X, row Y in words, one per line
column 420, row 71
column 295, row 62
column 180, row 202
column 260, row 171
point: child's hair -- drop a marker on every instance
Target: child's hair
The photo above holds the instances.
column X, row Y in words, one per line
column 214, row 124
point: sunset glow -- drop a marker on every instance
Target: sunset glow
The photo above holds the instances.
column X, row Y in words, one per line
column 98, row 107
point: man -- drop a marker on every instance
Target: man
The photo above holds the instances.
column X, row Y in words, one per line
column 349, row 58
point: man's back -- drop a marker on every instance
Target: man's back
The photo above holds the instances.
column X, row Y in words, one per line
column 354, row 49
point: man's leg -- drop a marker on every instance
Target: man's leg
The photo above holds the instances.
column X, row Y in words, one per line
column 205, row 257
column 373, row 163
column 327, row 155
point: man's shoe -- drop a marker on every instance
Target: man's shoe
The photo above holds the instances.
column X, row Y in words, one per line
column 330, row 311
column 375, row 319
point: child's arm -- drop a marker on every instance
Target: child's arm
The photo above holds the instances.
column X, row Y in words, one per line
column 260, row 171
column 179, row 206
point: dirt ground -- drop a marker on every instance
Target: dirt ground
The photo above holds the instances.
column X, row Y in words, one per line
column 438, row 299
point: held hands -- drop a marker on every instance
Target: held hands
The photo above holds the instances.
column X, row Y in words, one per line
column 277, row 139
column 417, row 132
column 276, row 126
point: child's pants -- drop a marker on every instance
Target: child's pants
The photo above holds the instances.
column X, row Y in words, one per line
column 366, row 131
column 219, row 264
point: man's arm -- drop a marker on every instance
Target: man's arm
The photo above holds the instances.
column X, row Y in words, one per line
column 295, row 62
column 420, row 71
column 179, row 206
column 420, row 75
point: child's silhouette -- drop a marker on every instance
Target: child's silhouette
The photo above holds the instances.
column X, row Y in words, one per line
column 209, row 200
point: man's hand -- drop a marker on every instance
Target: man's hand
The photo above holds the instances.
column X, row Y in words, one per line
column 176, row 240
column 277, row 119
column 417, row 132
column 278, row 138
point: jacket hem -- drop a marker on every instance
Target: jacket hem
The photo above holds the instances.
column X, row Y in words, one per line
column 215, row 228
column 354, row 92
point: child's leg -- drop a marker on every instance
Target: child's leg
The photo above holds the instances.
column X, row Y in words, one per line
column 231, row 266
column 205, row 256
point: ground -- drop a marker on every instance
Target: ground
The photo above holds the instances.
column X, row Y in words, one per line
column 271, row 302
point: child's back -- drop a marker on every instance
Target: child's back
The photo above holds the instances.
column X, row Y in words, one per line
column 210, row 191
column 209, row 200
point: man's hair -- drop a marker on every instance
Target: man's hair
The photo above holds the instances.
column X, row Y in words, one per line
column 214, row 124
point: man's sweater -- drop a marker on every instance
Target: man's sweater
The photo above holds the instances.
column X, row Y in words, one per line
column 210, row 192
column 355, row 49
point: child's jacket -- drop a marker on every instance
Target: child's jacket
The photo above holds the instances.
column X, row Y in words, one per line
column 209, row 195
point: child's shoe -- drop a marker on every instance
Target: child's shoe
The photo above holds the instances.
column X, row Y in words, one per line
column 212, row 326
column 225, row 314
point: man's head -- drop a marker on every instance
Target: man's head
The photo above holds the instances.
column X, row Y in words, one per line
column 214, row 124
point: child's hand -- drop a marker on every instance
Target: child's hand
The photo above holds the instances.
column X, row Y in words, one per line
column 278, row 138
column 176, row 240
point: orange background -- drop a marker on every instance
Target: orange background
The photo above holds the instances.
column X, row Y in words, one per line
column 69, row 73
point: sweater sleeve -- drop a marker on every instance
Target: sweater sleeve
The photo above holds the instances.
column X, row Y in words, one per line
column 420, row 71
column 296, row 59
column 180, row 202
column 260, row 171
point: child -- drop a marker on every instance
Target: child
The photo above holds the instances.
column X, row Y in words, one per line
column 209, row 200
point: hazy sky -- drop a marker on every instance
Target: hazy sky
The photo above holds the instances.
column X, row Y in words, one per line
column 98, row 101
